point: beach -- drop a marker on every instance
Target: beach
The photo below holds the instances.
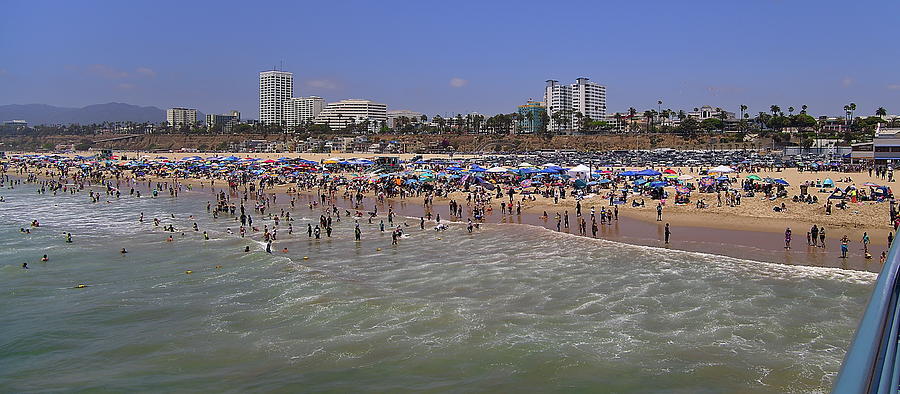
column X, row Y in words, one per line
column 751, row 230
column 509, row 307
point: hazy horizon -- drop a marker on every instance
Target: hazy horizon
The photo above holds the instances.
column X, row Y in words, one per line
column 452, row 58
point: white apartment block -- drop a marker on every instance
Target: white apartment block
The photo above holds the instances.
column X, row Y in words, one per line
column 344, row 113
column 299, row 110
column 274, row 88
column 177, row 117
column 584, row 97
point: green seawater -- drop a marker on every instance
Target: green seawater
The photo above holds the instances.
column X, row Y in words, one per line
column 509, row 309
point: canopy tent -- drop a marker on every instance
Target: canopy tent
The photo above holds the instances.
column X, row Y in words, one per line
column 580, row 171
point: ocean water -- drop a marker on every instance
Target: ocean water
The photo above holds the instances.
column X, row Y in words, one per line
column 510, row 308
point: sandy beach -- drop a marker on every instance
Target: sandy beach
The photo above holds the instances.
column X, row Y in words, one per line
column 751, row 230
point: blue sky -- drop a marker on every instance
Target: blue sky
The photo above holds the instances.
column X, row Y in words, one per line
column 453, row 57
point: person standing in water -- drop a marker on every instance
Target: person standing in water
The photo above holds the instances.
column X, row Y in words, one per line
column 845, row 246
column 787, row 238
column 667, row 233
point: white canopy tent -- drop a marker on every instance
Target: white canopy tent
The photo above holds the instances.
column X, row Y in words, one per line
column 580, row 171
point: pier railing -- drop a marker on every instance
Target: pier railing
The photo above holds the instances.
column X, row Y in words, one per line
column 872, row 364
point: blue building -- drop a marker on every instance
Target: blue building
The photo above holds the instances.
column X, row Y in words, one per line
column 531, row 116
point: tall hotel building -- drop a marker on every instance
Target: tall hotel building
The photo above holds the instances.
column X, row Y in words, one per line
column 583, row 96
column 275, row 87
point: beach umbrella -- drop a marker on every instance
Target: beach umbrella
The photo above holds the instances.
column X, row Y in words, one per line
column 685, row 177
column 496, row 170
column 781, row 182
column 870, row 184
column 828, row 181
column 525, row 164
column 657, row 184
column 648, row 172
column 669, row 171
column 754, row 177
column 721, row 169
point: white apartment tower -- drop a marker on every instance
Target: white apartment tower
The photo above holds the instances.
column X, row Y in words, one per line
column 275, row 87
column 299, row 110
column 178, row 117
column 344, row 113
column 584, row 97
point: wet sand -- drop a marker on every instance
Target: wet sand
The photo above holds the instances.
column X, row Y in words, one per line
column 744, row 244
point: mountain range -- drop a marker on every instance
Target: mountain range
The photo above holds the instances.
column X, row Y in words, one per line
column 37, row 114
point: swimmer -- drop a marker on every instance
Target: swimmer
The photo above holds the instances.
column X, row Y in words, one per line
column 285, row 250
column 246, row 249
column 169, row 239
column 123, row 251
column 45, row 258
column 25, row 265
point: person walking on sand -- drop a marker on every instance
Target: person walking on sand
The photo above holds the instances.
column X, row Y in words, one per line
column 659, row 212
column 787, row 238
column 667, row 233
column 822, row 237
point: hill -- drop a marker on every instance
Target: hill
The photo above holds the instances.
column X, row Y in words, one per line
column 36, row 114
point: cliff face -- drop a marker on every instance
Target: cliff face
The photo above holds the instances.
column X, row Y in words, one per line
column 461, row 143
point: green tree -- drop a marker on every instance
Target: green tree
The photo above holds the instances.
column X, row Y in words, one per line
column 711, row 124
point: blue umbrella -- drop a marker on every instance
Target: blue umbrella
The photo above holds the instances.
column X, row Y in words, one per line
column 782, row 182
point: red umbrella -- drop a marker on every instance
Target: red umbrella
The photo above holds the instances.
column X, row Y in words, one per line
column 669, row 171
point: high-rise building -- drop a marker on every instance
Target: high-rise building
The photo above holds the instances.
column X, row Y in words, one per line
column 274, row 88
column 582, row 97
column 531, row 117
column 226, row 122
column 299, row 110
column 344, row 113
column 178, row 117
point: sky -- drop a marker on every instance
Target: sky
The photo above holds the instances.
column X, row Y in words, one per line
column 454, row 57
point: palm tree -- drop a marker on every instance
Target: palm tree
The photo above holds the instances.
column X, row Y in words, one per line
column 775, row 110
column 881, row 112
column 803, row 109
column 681, row 114
column 791, row 111
column 648, row 114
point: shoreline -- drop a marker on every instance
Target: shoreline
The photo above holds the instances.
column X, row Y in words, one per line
column 718, row 232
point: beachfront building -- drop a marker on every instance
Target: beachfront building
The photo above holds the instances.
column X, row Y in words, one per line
column 301, row 110
column 225, row 122
column 531, row 117
column 707, row 112
column 584, row 98
column 179, row 117
column 275, row 87
column 886, row 145
column 361, row 115
column 397, row 118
